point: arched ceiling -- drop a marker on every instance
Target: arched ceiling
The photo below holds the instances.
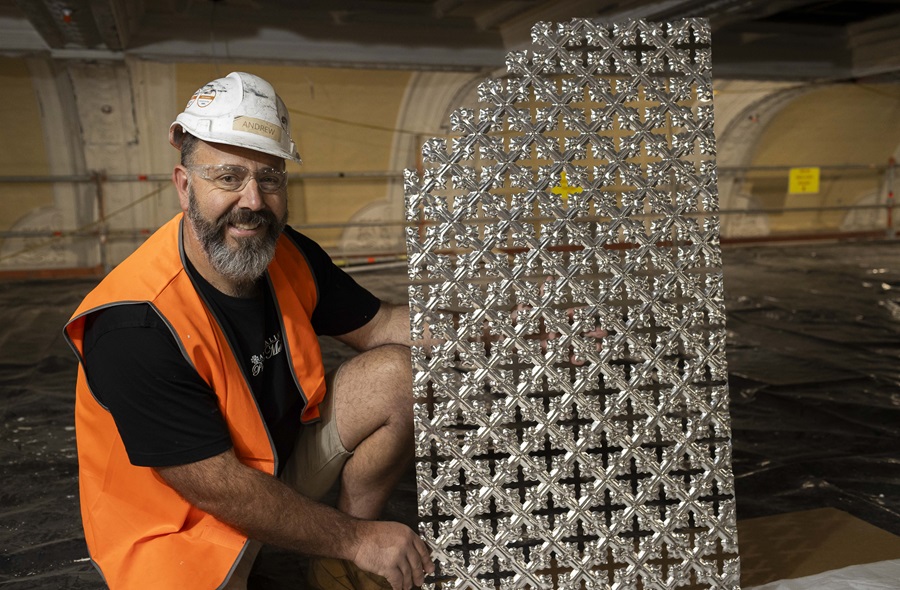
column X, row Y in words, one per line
column 764, row 39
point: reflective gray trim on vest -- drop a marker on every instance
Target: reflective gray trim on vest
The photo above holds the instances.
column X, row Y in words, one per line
column 234, row 566
column 109, row 306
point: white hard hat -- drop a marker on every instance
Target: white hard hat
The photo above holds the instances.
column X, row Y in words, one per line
column 242, row 110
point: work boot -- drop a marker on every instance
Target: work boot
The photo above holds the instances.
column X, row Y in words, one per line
column 325, row 573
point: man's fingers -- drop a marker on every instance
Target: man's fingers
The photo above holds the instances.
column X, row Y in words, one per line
column 406, row 573
column 419, row 561
column 395, row 579
column 547, row 279
column 395, row 552
column 424, row 555
column 418, row 576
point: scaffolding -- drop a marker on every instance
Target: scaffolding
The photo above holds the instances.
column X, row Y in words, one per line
column 754, row 210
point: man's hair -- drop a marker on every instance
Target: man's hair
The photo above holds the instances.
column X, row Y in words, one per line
column 188, row 146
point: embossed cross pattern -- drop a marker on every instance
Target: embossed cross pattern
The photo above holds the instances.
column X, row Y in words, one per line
column 581, row 194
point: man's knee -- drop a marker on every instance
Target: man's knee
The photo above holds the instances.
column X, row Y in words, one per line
column 373, row 390
column 390, row 363
column 396, row 355
column 382, row 377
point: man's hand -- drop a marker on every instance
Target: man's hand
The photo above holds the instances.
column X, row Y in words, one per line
column 545, row 335
column 267, row 510
column 393, row 551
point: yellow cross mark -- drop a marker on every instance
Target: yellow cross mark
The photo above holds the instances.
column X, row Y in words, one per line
column 564, row 190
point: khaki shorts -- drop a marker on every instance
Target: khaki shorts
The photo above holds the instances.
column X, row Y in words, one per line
column 319, row 455
column 313, row 468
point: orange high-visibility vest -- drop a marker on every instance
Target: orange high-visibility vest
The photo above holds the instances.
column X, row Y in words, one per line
column 139, row 531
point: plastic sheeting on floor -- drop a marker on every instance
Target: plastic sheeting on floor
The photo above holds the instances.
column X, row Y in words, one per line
column 881, row 575
column 814, row 363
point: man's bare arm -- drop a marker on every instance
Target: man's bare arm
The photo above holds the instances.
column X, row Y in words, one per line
column 389, row 326
column 266, row 509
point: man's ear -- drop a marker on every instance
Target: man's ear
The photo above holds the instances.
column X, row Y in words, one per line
column 180, row 180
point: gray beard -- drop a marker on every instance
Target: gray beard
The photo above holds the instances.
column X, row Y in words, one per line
column 245, row 263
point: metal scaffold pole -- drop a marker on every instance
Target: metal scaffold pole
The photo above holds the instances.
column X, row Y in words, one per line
column 892, row 163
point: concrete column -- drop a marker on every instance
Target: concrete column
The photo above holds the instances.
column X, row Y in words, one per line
column 155, row 107
column 73, row 203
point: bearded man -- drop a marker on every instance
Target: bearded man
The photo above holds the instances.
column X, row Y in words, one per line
column 205, row 422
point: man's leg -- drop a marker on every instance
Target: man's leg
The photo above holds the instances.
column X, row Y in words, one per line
column 366, row 426
column 374, row 412
column 369, row 409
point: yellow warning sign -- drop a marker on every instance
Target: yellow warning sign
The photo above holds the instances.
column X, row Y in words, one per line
column 803, row 181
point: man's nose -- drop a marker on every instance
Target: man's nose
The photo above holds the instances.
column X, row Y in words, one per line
column 251, row 196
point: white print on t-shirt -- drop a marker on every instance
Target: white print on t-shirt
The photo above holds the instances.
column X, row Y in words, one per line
column 273, row 347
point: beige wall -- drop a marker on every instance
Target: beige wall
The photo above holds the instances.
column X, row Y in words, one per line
column 22, row 150
column 342, row 121
column 836, row 125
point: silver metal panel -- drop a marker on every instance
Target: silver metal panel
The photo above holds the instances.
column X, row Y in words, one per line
column 581, row 194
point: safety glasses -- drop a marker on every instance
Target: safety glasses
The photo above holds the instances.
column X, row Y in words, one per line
column 234, row 178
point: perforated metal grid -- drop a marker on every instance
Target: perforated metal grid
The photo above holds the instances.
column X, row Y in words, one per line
column 582, row 194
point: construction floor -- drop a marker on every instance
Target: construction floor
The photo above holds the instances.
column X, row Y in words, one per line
column 814, row 365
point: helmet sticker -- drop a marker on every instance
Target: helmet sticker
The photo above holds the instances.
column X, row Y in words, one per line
column 205, row 98
column 257, row 127
column 193, row 98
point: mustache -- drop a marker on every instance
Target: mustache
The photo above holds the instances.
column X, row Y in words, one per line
column 246, row 216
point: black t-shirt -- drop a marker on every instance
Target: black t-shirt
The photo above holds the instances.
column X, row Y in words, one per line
column 164, row 411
